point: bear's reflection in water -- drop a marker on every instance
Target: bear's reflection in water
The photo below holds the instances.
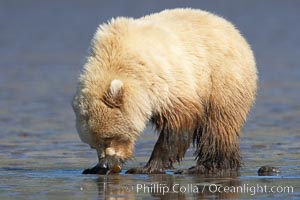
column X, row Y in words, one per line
column 167, row 186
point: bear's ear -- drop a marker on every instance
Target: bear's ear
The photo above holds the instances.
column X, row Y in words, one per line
column 114, row 96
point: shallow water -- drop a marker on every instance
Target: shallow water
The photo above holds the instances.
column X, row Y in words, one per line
column 42, row 48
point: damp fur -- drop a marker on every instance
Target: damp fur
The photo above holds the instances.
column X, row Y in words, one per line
column 189, row 72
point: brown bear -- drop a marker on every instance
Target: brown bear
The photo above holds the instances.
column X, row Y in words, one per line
column 188, row 72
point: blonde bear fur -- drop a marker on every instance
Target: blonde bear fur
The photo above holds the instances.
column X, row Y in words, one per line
column 187, row 71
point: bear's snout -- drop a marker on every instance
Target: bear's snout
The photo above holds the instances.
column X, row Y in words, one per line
column 110, row 151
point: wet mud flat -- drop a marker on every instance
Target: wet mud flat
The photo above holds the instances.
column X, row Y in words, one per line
column 52, row 170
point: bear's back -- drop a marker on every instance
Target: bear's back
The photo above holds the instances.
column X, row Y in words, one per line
column 177, row 50
column 194, row 49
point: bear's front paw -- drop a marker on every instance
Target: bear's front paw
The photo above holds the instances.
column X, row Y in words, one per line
column 200, row 169
column 145, row 170
column 192, row 170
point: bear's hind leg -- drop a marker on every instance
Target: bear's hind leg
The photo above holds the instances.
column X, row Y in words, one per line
column 217, row 140
column 169, row 148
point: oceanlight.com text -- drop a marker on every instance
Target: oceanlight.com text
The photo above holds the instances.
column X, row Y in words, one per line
column 209, row 187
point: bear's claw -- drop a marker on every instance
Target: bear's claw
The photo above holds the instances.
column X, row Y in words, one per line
column 192, row 170
column 145, row 170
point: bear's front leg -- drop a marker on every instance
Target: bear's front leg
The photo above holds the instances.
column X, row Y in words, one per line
column 158, row 162
column 169, row 148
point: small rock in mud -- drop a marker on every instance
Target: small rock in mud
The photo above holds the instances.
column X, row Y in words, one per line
column 95, row 170
column 268, row 170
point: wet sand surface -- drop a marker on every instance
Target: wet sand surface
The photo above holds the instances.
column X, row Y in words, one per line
column 42, row 49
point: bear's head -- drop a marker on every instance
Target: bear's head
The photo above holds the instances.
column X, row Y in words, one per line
column 105, row 122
